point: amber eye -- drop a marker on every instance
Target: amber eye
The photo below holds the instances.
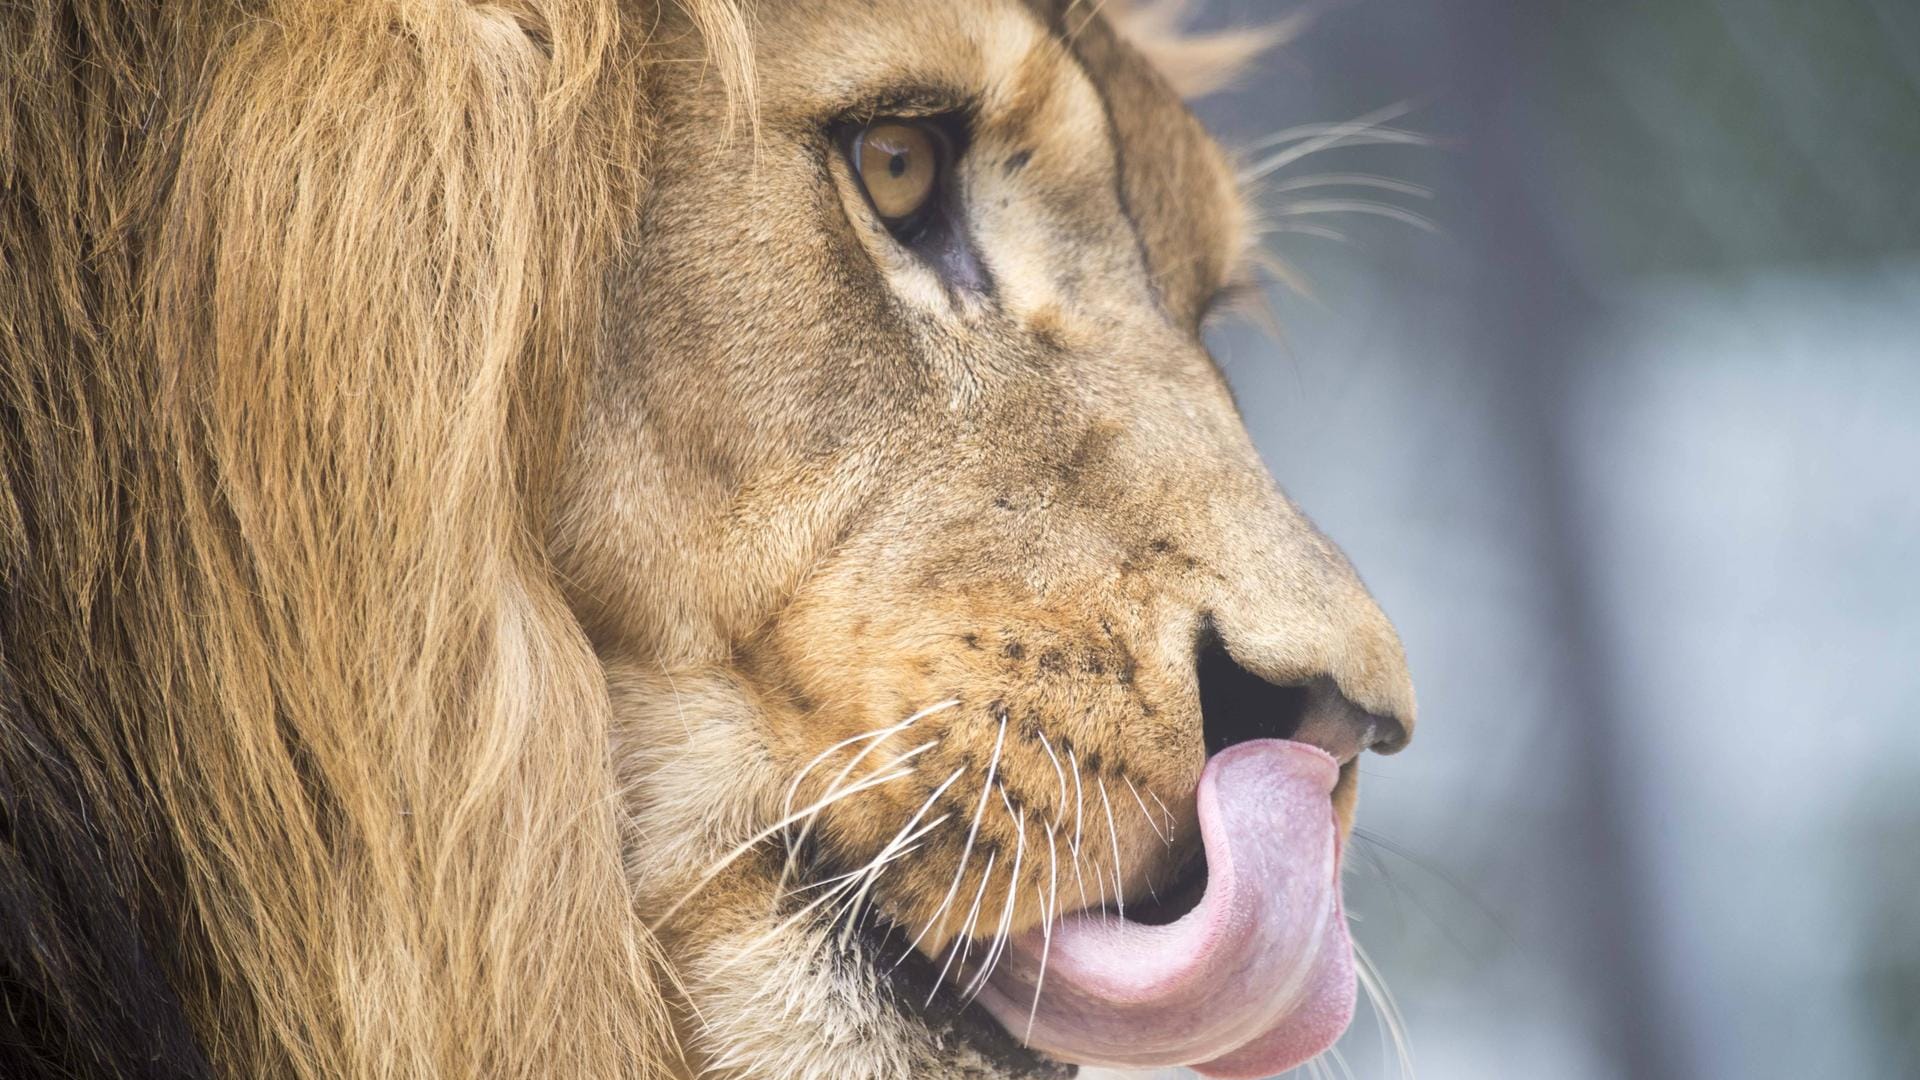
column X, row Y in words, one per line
column 899, row 163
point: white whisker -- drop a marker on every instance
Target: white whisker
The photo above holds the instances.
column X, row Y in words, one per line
column 1171, row 823
column 999, row 943
column 850, row 909
column 1046, row 928
column 1074, row 847
column 1059, row 774
column 761, row 837
column 1309, row 207
column 963, row 939
column 966, row 852
column 878, row 736
column 789, row 922
column 1369, row 137
column 1308, row 139
column 1300, row 228
column 1113, row 833
column 1367, row 180
column 1385, row 1008
column 901, row 838
column 1142, row 803
column 845, row 882
column 793, row 789
column 1315, row 130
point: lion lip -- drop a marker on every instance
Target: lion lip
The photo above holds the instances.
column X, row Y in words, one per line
column 1255, row 980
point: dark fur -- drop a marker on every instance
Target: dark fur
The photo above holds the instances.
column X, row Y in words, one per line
column 83, row 992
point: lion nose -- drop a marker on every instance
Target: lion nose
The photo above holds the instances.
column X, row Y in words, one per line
column 1237, row 705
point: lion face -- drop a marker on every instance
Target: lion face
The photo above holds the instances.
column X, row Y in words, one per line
column 928, row 556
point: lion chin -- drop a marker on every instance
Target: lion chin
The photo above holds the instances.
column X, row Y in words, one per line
column 564, row 538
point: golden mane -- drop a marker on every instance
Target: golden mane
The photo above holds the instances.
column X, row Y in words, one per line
column 303, row 765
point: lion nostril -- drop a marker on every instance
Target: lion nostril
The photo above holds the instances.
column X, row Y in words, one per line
column 1237, row 705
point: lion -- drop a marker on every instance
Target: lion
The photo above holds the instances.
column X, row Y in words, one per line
column 573, row 538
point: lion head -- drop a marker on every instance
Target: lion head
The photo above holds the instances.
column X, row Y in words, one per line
column 576, row 539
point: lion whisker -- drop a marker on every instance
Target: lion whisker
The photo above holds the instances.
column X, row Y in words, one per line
column 1385, row 1008
column 796, row 843
column 879, row 736
column 793, row 789
column 1380, row 136
column 720, row 865
column 999, row 943
column 850, row 910
column 966, row 852
column 902, row 838
column 1171, row 823
column 1079, row 878
column 846, row 882
column 1297, row 132
column 1367, row 180
column 1059, row 774
column 1301, row 229
column 963, row 940
column 1311, row 207
column 1113, row 834
column 1046, row 928
column 972, row 921
column 1308, row 139
column 1007, row 802
column 1151, row 824
column 1020, row 850
column 786, row 924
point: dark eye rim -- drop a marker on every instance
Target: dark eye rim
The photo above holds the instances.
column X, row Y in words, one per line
column 947, row 133
column 936, row 234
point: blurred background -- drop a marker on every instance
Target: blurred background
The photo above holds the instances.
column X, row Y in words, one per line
column 1628, row 444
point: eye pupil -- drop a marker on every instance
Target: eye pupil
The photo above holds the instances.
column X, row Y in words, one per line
column 899, row 163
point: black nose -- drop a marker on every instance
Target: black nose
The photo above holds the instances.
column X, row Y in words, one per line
column 1237, row 705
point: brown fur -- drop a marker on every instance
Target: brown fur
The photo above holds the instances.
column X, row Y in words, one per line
column 453, row 452
column 293, row 298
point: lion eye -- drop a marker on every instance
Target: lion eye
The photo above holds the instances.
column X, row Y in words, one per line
column 908, row 169
column 899, row 164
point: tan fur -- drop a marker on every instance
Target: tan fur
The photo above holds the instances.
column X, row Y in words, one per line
column 458, row 453
column 294, row 298
column 815, row 490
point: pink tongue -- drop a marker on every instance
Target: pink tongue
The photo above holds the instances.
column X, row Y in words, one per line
column 1254, row 981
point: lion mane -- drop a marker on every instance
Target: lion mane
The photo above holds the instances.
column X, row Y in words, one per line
column 303, row 761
